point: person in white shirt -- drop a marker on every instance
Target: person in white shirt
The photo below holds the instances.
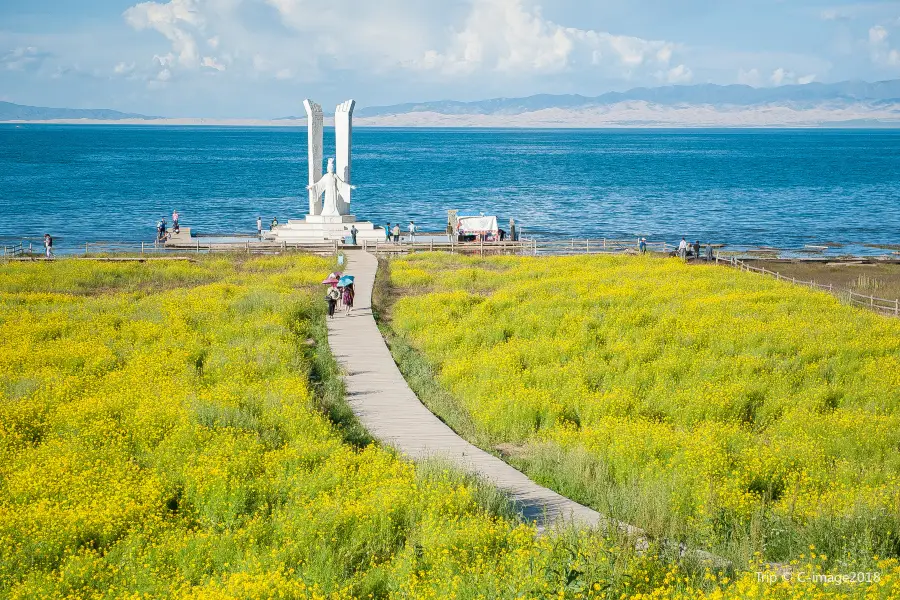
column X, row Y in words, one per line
column 259, row 226
column 412, row 231
column 682, row 248
column 175, row 216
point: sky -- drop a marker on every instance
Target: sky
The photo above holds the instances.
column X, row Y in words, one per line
column 260, row 58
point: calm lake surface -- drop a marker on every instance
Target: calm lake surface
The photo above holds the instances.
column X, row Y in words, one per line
column 784, row 188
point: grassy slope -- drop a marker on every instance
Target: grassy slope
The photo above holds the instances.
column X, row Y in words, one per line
column 703, row 404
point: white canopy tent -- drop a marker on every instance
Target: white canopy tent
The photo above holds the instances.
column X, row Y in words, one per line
column 482, row 227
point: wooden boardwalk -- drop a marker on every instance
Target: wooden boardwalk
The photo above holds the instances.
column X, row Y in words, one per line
column 391, row 412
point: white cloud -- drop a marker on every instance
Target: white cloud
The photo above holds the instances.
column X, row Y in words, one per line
column 211, row 63
column 679, row 74
column 182, row 22
column 835, row 14
column 176, row 20
column 123, row 68
column 508, row 37
column 880, row 49
column 23, row 58
column 751, row 77
column 782, row 76
column 878, row 34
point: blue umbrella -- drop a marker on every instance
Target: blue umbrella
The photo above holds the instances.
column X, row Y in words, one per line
column 345, row 281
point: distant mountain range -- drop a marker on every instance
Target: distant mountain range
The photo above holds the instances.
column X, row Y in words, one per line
column 844, row 104
column 17, row 112
column 707, row 94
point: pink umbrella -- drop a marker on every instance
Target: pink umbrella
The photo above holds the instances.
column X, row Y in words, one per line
column 332, row 279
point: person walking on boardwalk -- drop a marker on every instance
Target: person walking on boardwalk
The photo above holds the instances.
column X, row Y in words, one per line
column 353, row 232
column 697, row 250
column 348, row 296
column 396, row 232
column 48, row 245
column 412, row 231
column 259, row 226
column 331, row 297
column 682, row 249
column 175, row 216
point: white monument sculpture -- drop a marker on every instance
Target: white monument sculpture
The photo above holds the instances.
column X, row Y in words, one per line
column 329, row 215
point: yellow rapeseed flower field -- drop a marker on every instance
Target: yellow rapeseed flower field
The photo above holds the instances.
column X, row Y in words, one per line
column 176, row 430
column 706, row 405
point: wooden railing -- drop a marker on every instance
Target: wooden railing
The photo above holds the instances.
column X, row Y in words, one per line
column 197, row 246
column 532, row 247
column 14, row 250
column 884, row 306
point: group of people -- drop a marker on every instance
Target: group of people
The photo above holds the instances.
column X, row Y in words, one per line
column 693, row 250
column 162, row 233
column 259, row 225
column 340, row 293
column 392, row 234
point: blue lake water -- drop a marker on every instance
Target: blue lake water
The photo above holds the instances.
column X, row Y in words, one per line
column 782, row 188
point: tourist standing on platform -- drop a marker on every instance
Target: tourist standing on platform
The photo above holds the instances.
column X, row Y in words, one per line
column 642, row 246
column 353, row 232
column 259, row 226
column 412, row 231
column 274, row 224
column 331, row 297
column 48, row 245
column 450, row 231
column 697, row 249
column 175, row 216
column 387, row 232
column 396, row 232
column 682, row 249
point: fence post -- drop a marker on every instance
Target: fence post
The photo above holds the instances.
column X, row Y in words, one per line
column 482, row 245
column 897, row 307
column 248, row 246
column 432, row 245
column 85, row 248
column 535, row 246
column 198, row 245
column 587, row 246
column 872, row 301
column 604, row 243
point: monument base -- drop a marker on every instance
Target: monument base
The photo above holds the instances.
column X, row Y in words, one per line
column 318, row 228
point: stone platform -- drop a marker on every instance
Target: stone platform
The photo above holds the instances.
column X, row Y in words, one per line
column 317, row 228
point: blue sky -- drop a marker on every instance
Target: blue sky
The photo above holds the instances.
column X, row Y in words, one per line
column 259, row 58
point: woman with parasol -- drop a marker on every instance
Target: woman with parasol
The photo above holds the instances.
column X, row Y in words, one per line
column 333, row 294
column 348, row 292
